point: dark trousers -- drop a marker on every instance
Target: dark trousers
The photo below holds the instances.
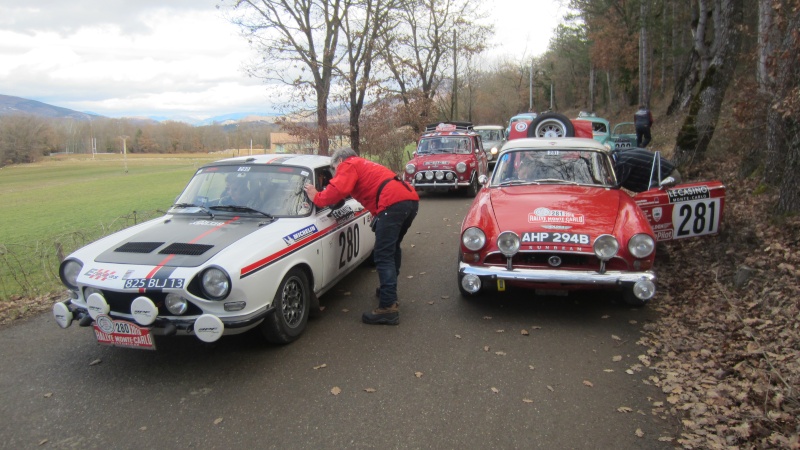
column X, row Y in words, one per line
column 642, row 136
column 390, row 228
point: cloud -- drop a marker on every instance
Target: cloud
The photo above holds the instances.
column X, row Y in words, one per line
column 178, row 58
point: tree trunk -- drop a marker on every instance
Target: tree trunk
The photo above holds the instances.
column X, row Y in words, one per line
column 644, row 96
column 700, row 122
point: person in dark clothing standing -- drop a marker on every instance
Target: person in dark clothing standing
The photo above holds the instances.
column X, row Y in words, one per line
column 393, row 204
column 635, row 171
column 643, row 120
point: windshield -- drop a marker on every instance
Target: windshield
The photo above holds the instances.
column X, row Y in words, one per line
column 491, row 135
column 244, row 189
column 561, row 166
column 444, row 144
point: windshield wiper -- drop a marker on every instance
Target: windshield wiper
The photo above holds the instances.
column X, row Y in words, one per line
column 516, row 182
column 192, row 205
column 556, row 180
column 237, row 208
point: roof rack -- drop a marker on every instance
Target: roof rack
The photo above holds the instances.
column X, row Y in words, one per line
column 449, row 126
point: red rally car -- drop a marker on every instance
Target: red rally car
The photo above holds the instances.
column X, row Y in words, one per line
column 449, row 157
column 553, row 218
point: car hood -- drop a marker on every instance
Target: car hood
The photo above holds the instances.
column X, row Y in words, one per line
column 556, row 208
column 180, row 240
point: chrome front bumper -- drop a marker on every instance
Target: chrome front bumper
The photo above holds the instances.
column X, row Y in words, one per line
column 574, row 277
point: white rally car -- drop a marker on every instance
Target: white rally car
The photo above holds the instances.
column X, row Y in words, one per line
column 242, row 247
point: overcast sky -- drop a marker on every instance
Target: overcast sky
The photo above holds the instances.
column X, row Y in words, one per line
column 173, row 58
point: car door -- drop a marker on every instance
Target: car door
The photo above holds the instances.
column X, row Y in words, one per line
column 685, row 210
column 341, row 247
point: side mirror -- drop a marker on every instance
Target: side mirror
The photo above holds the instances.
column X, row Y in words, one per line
column 483, row 179
column 667, row 182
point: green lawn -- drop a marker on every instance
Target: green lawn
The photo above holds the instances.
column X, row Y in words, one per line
column 74, row 200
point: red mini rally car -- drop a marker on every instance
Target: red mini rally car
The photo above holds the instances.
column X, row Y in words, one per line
column 449, row 157
column 553, row 218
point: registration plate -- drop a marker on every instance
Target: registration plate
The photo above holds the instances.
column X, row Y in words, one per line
column 154, row 283
column 121, row 333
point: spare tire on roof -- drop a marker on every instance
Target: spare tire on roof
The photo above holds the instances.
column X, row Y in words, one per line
column 551, row 125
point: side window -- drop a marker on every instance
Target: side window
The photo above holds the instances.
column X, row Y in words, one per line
column 322, row 178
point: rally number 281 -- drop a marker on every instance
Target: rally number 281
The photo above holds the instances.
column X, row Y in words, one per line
column 696, row 218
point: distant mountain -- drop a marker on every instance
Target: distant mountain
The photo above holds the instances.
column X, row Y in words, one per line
column 16, row 105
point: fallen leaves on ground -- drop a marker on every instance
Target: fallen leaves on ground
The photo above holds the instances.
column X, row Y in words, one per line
column 336, row 390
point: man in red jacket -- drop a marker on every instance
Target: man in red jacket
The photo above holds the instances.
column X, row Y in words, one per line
column 393, row 205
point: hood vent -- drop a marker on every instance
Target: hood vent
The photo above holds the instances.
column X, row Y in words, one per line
column 186, row 249
column 138, row 247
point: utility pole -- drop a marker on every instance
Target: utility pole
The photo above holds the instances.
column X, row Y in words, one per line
column 125, row 152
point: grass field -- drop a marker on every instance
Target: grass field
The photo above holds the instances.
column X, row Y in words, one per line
column 51, row 201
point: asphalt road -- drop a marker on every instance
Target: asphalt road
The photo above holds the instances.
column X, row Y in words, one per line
column 454, row 374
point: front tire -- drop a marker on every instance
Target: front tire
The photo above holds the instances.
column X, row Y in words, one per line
column 292, row 305
column 473, row 188
column 632, row 300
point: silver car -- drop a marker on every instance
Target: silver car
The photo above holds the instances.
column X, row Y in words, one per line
column 493, row 137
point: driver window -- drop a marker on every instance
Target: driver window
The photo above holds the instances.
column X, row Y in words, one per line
column 322, row 178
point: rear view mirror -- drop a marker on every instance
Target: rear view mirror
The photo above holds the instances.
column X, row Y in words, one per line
column 667, row 182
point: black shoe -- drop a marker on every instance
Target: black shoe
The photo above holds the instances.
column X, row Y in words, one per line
column 382, row 316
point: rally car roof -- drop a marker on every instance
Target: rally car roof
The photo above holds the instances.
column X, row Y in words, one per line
column 559, row 143
column 311, row 161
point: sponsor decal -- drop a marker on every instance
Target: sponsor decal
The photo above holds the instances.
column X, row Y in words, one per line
column 557, row 227
column 300, row 234
column 343, row 214
column 563, row 238
column 445, row 127
column 657, row 214
column 661, row 226
column 688, row 193
column 435, row 163
column 521, row 126
column 547, row 215
column 207, row 223
column 664, row 235
column 101, row 274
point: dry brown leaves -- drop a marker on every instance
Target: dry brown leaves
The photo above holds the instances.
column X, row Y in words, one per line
column 726, row 348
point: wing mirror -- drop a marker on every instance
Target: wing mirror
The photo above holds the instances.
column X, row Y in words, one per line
column 667, row 182
column 483, row 179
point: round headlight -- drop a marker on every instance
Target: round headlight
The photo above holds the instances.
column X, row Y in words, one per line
column 439, row 175
column 410, row 169
column 461, row 167
column 419, row 176
column 508, row 243
column 429, row 175
column 449, row 176
column 494, row 150
column 473, row 238
column 176, row 304
column 641, row 245
column 69, row 271
column 215, row 283
column 606, row 246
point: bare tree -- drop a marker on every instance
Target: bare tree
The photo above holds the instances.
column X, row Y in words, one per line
column 416, row 51
column 298, row 41
column 706, row 102
column 365, row 23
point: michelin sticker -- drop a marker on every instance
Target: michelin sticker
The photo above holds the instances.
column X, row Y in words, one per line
column 300, row 234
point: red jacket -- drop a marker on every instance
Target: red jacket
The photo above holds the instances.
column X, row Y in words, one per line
column 361, row 179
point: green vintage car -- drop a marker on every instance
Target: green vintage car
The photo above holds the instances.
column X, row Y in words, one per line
column 622, row 136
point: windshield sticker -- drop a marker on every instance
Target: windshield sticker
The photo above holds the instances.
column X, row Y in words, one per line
column 547, row 215
column 304, row 173
column 689, row 193
column 300, row 234
column 558, row 238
